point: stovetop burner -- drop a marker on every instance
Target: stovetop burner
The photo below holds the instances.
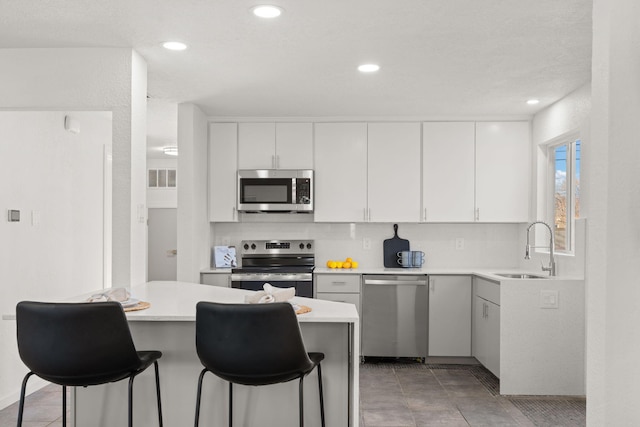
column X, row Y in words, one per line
column 276, row 256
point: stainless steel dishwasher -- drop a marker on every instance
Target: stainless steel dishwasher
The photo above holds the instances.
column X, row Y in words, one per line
column 394, row 315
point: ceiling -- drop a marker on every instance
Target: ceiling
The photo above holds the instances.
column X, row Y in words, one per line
column 438, row 58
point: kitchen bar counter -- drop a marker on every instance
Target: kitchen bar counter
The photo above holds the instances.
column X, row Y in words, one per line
column 169, row 326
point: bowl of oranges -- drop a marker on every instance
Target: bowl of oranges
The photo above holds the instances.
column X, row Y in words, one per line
column 348, row 263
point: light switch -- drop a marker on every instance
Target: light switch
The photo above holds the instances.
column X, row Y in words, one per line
column 549, row 299
column 13, row 215
column 459, row 243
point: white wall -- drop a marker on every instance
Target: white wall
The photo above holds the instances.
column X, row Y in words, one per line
column 107, row 79
column 55, row 177
column 613, row 245
column 193, row 220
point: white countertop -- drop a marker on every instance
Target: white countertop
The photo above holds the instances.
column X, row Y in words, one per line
column 176, row 302
column 487, row 273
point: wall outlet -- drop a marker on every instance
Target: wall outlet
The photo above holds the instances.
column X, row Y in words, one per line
column 459, row 243
column 366, row 243
column 549, row 299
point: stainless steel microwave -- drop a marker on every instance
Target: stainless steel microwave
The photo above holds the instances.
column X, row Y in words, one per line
column 275, row 190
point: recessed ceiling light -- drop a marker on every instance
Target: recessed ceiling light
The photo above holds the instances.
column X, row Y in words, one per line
column 170, row 151
column 174, row 45
column 533, row 101
column 267, row 11
column 368, row 68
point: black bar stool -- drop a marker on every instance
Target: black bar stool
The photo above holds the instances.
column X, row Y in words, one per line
column 80, row 344
column 253, row 344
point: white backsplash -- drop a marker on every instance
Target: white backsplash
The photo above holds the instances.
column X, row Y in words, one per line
column 485, row 245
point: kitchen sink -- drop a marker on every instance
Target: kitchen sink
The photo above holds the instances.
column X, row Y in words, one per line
column 520, row 276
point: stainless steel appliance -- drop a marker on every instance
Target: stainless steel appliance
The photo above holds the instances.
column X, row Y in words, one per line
column 275, row 190
column 281, row 263
column 394, row 316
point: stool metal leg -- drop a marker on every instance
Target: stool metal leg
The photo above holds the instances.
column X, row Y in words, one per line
column 23, row 391
column 131, row 400
column 64, row 406
column 198, row 396
column 158, row 394
column 321, row 395
column 230, row 404
column 301, row 401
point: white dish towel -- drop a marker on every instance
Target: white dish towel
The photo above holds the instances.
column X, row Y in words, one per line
column 270, row 294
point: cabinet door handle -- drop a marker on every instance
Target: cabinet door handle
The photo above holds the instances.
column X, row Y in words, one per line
column 369, row 216
column 477, row 214
column 234, row 212
column 338, row 283
column 425, row 214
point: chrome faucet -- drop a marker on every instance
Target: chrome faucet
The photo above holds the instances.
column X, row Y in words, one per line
column 552, row 262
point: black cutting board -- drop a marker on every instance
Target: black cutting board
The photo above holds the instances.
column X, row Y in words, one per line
column 391, row 248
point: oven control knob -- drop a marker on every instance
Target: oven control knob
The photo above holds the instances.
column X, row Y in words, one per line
column 246, row 247
column 301, row 246
column 253, row 246
column 308, row 245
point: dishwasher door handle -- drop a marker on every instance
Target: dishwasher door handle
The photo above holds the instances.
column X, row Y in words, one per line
column 395, row 282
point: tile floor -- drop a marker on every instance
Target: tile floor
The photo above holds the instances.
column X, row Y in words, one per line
column 419, row 395
column 399, row 395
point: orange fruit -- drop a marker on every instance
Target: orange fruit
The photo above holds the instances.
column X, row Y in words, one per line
column 349, row 259
column 332, row 264
column 346, row 264
column 354, row 264
column 339, row 264
column 329, row 263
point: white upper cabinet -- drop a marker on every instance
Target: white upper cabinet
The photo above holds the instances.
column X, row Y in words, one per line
column 503, row 171
column 393, row 172
column 340, row 154
column 448, row 170
column 294, row 146
column 256, row 145
column 275, row 146
column 223, row 157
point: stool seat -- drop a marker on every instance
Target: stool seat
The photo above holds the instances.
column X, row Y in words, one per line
column 80, row 344
column 254, row 345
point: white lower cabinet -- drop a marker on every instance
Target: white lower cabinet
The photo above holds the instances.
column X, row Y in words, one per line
column 486, row 324
column 450, row 316
column 339, row 287
column 216, row 279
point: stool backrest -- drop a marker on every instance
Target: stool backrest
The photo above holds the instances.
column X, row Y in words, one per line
column 75, row 343
column 246, row 343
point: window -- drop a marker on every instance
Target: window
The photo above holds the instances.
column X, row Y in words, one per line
column 162, row 178
column 565, row 206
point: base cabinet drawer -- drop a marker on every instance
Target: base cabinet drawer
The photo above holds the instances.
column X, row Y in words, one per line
column 338, row 283
column 216, row 279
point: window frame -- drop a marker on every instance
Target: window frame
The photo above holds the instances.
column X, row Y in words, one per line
column 568, row 140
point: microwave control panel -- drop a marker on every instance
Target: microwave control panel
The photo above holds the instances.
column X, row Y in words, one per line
column 303, row 191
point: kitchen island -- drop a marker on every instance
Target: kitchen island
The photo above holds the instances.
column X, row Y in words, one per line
column 169, row 326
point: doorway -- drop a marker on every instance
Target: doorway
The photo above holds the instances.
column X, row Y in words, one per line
column 162, row 244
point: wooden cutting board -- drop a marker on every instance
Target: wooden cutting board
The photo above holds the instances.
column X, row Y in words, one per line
column 391, row 247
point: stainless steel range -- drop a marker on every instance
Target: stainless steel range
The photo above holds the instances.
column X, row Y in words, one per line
column 281, row 263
